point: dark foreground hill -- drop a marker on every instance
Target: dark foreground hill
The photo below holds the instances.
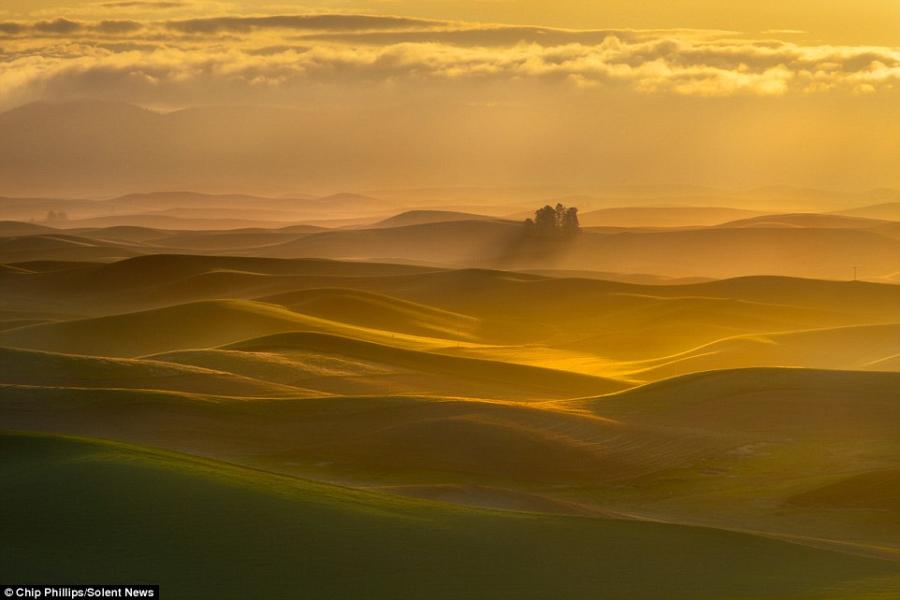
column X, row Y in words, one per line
column 84, row 511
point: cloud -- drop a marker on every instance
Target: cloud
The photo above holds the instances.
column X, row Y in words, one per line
column 57, row 26
column 144, row 4
column 784, row 32
column 118, row 27
column 480, row 36
column 291, row 58
column 327, row 22
column 11, row 28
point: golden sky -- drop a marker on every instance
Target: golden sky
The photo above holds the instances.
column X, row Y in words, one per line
column 761, row 92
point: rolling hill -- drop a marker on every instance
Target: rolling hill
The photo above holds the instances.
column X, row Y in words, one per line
column 338, row 365
column 159, row 269
column 863, row 347
column 354, row 360
column 662, row 216
column 19, row 228
column 820, row 221
column 438, row 242
column 741, row 399
column 24, row 367
column 378, row 311
column 872, row 491
column 727, row 449
column 889, row 211
column 327, row 363
column 62, row 247
column 194, row 325
column 165, row 221
column 695, row 252
column 169, row 508
column 162, row 201
column 235, row 239
column 156, row 280
column 122, row 233
column 793, row 433
column 562, row 321
column 801, row 245
column 723, row 253
column 423, row 217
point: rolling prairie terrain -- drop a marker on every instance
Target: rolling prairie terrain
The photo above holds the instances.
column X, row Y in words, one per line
column 689, row 402
column 450, row 300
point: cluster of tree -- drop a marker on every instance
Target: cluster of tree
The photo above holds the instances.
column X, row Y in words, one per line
column 56, row 215
column 559, row 221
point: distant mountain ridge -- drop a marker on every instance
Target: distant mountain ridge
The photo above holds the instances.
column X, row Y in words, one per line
column 186, row 210
column 422, row 217
column 887, row 210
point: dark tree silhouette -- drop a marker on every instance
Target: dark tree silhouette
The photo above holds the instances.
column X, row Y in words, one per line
column 560, row 215
column 545, row 221
column 570, row 225
column 553, row 222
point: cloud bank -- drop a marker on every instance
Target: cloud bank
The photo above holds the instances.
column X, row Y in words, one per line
column 290, row 58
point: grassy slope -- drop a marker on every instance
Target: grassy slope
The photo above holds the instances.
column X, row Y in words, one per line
column 593, row 327
column 887, row 210
column 789, row 432
column 591, row 318
column 20, row 228
column 737, row 444
column 752, row 425
column 215, row 323
column 416, row 439
column 606, row 322
column 27, row 367
column 59, row 246
column 813, row 220
column 197, row 325
column 859, row 347
column 422, row 217
column 659, row 216
column 875, row 490
column 77, row 510
column 731, row 396
column 162, row 280
column 441, row 243
column 130, row 278
column 723, row 253
column 432, row 372
column 379, row 312
column 194, row 325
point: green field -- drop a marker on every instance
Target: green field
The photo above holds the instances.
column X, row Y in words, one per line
column 83, row 510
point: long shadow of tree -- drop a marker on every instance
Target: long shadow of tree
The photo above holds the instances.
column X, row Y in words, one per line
column 545, row 239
